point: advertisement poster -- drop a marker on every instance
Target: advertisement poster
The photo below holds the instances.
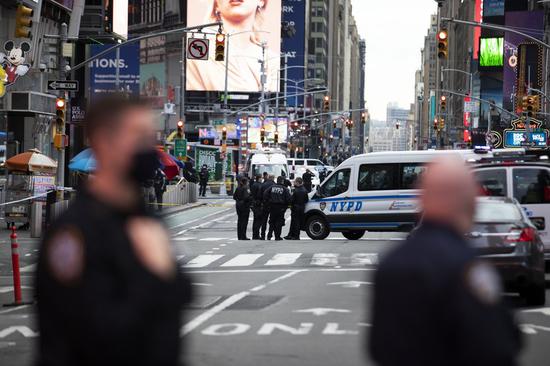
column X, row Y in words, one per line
column 244, row 49
column 153, row 83
column 531, row 23
column 210, row 156
column 493, row 8
column 294, row 13
column 255, row 126
column 215, row 132
column 103, row 78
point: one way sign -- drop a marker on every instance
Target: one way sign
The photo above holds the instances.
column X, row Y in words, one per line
column 63, row 85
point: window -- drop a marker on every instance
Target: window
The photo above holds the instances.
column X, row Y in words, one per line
column 492, row 182
column 496, row 212
column 298, row 162
column 410, row 174
column 377, row 177
column 337, row 184
column 314, row 163
column 532, row 186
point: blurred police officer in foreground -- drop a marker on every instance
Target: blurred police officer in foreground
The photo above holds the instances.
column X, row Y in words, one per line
column 109, row 291
column 277, row 198
column 298, row 202
column 435, row 303
column 243, row 200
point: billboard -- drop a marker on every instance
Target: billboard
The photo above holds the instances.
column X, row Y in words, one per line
column 255, row 126
column 153, row 83
column 103, row 77
column 493, row 8
column 257, row 23
column 215, row 132
column 491, row 52
column 294, row 13
column 531, row 23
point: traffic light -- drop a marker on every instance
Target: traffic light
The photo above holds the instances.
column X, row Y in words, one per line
column 180, row 129
column 334, row 124
column 59, row 132
column 441, row 124
column 442, row 43
column 349, row 124
column 23, row 21
column 262, row 135
column 531, row 105
column 443, row 103
column 276, row 137
column 364, row 117
column 224, row 133
column 326, row 103
column 436, row 124
column 397, row 126
column 220, row 47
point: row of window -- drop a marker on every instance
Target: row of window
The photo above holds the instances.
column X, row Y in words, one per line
column 530, row 186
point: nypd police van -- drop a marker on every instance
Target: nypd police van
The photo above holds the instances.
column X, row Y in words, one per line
column 372, row 192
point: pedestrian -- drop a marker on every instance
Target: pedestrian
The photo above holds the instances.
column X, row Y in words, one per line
column 277, row 197
column 287, row 182
column 268, row 182
column 307, row 177
column 435, row 302
column 189, row 172
column 298, row 202
column 160, row 187
column 148, row 190
column 108, row 288
column 244, row 199
column 323, row 172
column 255, row 189
column 204, row 174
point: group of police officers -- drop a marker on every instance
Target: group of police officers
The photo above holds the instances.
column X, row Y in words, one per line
column 269, row 199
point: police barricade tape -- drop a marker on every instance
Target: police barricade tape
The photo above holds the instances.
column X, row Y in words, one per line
column 37, row 196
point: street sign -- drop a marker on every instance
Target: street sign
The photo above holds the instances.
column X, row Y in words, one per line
column 180, row 147
column 197, row 49
column 63, row 85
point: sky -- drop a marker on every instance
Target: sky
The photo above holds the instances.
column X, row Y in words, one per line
column 394, row 32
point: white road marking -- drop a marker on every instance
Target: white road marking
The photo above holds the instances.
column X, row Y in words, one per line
column 199, row 320
column 203, row 260
column 532, row 329
column 8, row 289
column 224, row 271
column 350, row 284
column 204, row 223
column 183, row 239
column 242, row 260
column 364, row 259
column 283, row 259
column 324, row 259
column 202, row 284
column 29, row 268
column 199, row 219
column 14, row 309
column 322, row 311
column 180, row 257
column 211, row 239
column 545, row 311
column 24, row 330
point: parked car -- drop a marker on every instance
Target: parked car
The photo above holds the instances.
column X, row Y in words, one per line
column 504, row 235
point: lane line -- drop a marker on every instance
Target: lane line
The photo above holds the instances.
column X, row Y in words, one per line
column 325, row 259
column 242, row 260
column 283, row 259
column 223, row 271
column 14, row 309
column 202, row 318
column 364, row 258
column 200, row 219
column 203, row 260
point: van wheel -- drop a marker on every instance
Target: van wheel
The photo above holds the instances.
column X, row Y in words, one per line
column 354, row 235
column 535, row 295
column 317, row 228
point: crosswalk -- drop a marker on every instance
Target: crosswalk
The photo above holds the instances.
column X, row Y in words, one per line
column 279, row 260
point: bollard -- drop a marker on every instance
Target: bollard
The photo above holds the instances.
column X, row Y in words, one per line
column 15, row 267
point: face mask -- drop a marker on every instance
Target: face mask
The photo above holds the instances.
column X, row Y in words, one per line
column 144, row 166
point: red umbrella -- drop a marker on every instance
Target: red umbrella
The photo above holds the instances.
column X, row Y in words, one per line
column 171, row 169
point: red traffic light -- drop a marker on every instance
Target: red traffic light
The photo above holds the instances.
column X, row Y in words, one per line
column 443, row 98
column 180, row 124
column 60, row 103
column 220, row 37
column 442, row 35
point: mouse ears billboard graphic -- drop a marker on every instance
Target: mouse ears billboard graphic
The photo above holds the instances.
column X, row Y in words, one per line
column 13, row 64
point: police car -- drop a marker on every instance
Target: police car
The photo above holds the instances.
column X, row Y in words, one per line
column 374, row 192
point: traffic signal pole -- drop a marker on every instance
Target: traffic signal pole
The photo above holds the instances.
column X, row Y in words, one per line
column 62, row 64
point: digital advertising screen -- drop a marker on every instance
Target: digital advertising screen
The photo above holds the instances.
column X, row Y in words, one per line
column 491, row 52
column 215, row 132
column 248, row 24
column 255, row 126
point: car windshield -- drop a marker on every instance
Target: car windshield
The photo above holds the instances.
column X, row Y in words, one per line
column 272, row 169
column 497, row 212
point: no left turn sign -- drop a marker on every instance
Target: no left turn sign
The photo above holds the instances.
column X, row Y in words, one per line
column 197, row 49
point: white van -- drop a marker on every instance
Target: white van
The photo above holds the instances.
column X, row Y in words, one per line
column 372, row 192
column 272, row 162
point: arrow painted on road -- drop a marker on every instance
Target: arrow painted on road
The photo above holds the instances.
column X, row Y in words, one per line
column 322, row 311
column 350, row 284
column 24, row 330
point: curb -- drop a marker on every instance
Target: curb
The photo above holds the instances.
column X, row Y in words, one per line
column 183, row 208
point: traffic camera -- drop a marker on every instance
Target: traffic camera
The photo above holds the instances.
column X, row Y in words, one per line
column 220, row 47
column 442, row 43
column 23, row 22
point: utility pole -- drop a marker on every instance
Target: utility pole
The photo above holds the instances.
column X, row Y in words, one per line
column 263, row 78
column 61, row 65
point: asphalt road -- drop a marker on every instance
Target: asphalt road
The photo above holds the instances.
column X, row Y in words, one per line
column 269, row 303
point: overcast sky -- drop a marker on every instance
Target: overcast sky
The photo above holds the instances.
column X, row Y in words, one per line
column 394, row 32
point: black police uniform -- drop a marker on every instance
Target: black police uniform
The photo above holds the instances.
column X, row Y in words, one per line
column 308, row 184
column 115, row 311
column 436, row 304
column 298, row 205
column 265, row 206
column 278, row 198
column 203, row 179
column 256, row 209
column 244, row 199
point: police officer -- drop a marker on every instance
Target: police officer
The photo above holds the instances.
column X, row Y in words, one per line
column 109, row 291
column 268, row 182
column 435, row 303
column 203, row 180
column 277, row 197
column 307, row 178
column 298, row 202
column 243, row 197
column 255, row 189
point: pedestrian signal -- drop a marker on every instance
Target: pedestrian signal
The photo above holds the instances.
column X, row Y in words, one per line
column 220, row 47
column 442, row 43
column 23, row 22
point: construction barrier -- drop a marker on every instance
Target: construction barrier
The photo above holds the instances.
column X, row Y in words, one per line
column 180, row 194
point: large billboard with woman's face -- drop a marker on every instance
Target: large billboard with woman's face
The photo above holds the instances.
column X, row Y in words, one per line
column 253, row 29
